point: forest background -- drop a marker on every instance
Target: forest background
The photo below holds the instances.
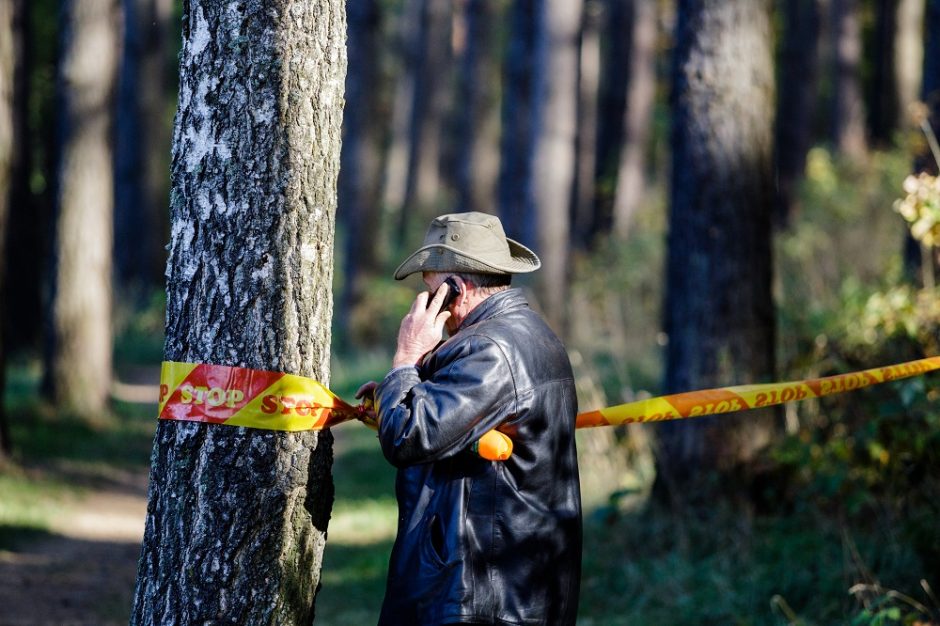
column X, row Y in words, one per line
column 720, row 196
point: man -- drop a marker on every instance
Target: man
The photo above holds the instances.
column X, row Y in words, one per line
column 479, row 542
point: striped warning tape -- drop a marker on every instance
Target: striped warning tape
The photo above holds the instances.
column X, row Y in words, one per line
column 744, row 397
column 237, row 396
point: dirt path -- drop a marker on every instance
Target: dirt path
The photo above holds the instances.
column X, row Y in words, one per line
column 83, row 572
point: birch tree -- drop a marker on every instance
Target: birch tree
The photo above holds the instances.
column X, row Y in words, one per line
column 237, row 518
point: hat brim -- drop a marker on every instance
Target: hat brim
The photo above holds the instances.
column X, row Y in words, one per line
column 443, row 258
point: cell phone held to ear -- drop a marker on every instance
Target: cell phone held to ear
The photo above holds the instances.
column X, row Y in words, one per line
column 452, row 292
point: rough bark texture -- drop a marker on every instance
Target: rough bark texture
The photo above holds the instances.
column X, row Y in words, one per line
column 78, row 367
column 719, row 311
column 237, row 518
column 555, row 148
column 848, row 115
column 478, row 99
column 7, row 69
column 799, row 63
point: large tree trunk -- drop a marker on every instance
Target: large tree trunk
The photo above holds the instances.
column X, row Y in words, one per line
column 719, row 311
column 142, row 145
column 236, row 521
column 554, row 160
column 360, row 174
column 796, row 105
column 478, row 99
column 848, row 115
column 78, row 367
column 930, row 91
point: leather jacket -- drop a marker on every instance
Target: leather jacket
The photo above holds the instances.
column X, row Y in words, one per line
column 484, row 541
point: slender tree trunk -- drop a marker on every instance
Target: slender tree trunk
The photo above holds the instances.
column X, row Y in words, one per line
column 554, row 161
column 796, row 103
column 719, row 310
column 641, row 94
column 908, row 57
column 361, row 159
column 589, row 76
column 8, row 61
column 142, row 145
column 848, row 123
column 78, row 368
column 516, row 200
column 236, row 521
column 478, row 99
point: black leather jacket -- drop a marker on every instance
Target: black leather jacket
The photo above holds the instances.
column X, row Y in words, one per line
column 484, row 541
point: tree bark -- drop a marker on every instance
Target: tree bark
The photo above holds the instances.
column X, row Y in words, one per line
column 554, row 160
column 478, row 99
column 848, row 122
column 237, row 518
column 796, row 105
column 78, row 366
column 930, row 90
column 719, row 310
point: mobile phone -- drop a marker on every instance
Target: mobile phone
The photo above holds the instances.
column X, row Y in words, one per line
column 452, row 292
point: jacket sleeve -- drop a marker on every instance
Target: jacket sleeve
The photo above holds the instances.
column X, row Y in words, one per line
column 422, row 421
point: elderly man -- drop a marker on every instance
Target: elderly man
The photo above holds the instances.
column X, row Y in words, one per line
column 479, row 542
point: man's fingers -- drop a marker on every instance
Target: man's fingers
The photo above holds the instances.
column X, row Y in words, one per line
column 442, row 318
column 439, row 296
column 368, row 389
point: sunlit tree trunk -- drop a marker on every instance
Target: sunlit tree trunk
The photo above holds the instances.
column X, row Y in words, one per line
column 719, row 310
column 555, row 148
column 796, row 104
column 360, row 176
column 478, row 102
column 142, row 145
column 848, row 115
column 78, row 365
column 237, row 518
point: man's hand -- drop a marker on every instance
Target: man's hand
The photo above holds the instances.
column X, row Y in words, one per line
column 367, row 394
column 421, row 328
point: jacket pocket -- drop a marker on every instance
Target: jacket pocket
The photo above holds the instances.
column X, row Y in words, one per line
column 436, row 540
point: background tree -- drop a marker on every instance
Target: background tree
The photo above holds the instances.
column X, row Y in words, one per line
column 142, row 144
column 554, row 158
column 8, row 38
column 78, row 361
column 237, row 518
column 719, row 314
column 848, row 110
column 360, row 177
column 797, row 104
column 477, row 160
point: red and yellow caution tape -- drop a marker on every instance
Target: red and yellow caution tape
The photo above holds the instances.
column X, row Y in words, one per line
column 237, row 396
column 744, row 397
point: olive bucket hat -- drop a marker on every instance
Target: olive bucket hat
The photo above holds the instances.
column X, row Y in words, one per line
column 469, row 242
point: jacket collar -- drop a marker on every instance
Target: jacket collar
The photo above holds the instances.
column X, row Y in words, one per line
column 497, row 304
